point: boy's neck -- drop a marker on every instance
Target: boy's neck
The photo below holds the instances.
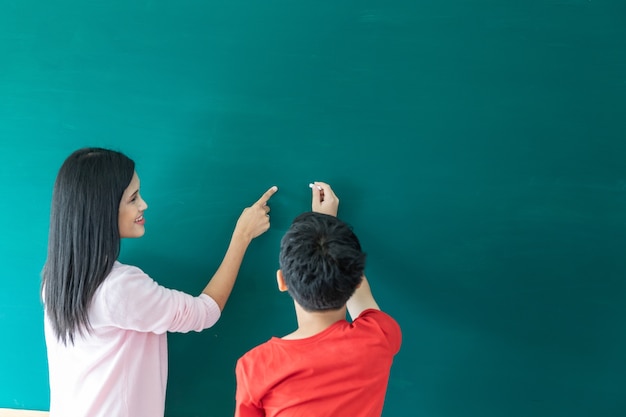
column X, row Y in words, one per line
column 312, row 323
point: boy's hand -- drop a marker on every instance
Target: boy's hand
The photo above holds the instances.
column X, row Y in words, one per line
column 255, row 220
column 324, row 199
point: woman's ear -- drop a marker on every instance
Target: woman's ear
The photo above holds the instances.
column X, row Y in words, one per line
column 282, row 287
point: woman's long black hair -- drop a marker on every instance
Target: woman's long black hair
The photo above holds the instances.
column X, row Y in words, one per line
column 84, row 238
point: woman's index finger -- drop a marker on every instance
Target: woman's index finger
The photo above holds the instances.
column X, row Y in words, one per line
column 267, row 195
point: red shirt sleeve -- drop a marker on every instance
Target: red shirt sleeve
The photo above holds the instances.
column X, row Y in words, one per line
column 245, row 406
column 385, row 323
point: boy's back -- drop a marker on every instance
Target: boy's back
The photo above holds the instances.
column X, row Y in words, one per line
column 327, row 366
column 342, row 371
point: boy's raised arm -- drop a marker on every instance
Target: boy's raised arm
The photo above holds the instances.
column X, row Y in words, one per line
column 361, row 300
column 324, row 200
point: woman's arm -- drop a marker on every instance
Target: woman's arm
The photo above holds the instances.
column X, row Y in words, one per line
column 253, row 222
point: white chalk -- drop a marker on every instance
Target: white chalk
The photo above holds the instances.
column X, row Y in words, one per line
column 318, row 187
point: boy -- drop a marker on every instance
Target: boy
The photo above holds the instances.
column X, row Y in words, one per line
column 328, row 366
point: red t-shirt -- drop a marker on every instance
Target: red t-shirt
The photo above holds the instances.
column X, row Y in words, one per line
column 341, row 371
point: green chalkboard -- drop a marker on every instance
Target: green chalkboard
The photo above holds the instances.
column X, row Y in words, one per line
column 478, row 148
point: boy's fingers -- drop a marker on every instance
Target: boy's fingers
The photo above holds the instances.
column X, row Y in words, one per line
column 318, row 187
column 315, row 190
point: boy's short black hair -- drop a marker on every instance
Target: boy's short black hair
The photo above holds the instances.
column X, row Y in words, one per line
column 322, row 261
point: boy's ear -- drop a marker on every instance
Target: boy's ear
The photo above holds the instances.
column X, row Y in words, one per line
column 282, row 287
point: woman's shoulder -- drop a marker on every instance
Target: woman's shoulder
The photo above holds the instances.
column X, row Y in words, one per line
column 125, row 272
column 121, row 268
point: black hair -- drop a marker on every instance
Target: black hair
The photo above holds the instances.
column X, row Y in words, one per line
column 84, row 238
column 321, row 261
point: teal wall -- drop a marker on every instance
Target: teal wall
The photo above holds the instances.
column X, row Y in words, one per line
column 478, row 148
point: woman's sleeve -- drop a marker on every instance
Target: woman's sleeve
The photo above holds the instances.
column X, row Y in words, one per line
column 130, row 299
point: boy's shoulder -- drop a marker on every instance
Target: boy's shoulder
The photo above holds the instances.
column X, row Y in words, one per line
column 379, row 320
column 374, row 312
column 254, row 357
column 369, row 321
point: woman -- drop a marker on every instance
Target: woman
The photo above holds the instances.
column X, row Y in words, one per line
column 106, row 322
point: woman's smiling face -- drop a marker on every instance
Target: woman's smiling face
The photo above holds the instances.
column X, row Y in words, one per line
column 130, row 220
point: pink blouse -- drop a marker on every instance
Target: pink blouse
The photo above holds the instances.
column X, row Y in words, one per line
column 120, row 368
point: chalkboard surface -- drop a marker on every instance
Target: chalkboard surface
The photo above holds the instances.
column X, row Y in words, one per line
column 478, row 149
